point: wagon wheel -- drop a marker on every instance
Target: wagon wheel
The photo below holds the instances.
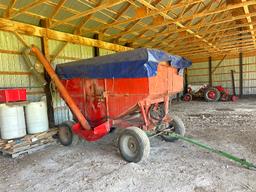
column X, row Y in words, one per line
column 187, row 97
column 134, row 144
column 177, row 126
column 212, row 94
column 224, row 96
column 65, row 134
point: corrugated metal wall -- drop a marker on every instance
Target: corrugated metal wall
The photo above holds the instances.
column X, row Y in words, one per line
column 198, row 74
column 105, row 52
column 71, row 52
column 14, row 72
column 249, row 75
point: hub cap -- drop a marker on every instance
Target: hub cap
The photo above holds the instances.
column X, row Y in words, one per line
column 211, row 94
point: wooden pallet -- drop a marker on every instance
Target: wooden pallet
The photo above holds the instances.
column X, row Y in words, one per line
column 27, row 144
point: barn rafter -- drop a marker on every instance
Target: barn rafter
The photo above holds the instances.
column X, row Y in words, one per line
column 191, row 28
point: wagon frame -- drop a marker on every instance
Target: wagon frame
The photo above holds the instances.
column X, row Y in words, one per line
column 139, row 103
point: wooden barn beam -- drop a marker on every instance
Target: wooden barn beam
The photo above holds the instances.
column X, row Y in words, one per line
column 107, row 4
column 210, row 70
column 231, row 55
column 202, row 14
column 47, row 87
column 179, row 24
column 27, row 7
column 57, row 8
column 117, row 16
column 241, row 74
column 60, row 49
column 21, row 39
column 249, row 20
column 195, row 27
column 192, row 43
column 77, row 31
column 139, row 11
column 147, row 14
column 84, row 21
column 9, row 8
column 167, row 35
column 224, row 50
column 8, row 25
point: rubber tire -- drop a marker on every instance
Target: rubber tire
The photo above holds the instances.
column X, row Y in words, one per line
column 188, row 95
column 212, row 89
column 179, row 128
column 224, row 97
column 70, row 139
column 142, row 144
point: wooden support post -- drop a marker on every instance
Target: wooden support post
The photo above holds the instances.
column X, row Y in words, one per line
column 47, row 90
column 96, row 50
column 128, row 44
column 185, row 81
column 210, row 71
column 240, row 74
column 178, row 96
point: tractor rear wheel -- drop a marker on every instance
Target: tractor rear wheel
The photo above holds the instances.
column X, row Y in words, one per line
column 187, row 97
column 134, row 145
column 224, row 97
column 177, row 126
column 65, row 134
column 212, row 94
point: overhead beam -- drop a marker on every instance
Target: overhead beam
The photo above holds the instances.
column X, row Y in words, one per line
column 249, row 20
column 205, row 13
column 117, row 16
column 145, row 15
column 8, row 25
column 193, row 27
column 139, row 11
column 57, row 8
column 176, row 20
column 27, row 7
column 9, row 8
column 84, row 21
column 107, row 4
column 179, row 24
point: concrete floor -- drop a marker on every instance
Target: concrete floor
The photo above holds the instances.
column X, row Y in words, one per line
column 171, row 167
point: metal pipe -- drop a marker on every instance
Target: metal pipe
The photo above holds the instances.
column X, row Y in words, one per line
column 63, row 91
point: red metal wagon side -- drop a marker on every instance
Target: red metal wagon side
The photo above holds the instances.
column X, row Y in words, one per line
column 124, row 90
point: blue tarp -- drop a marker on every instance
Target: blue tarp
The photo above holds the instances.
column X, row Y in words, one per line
column 137, row 63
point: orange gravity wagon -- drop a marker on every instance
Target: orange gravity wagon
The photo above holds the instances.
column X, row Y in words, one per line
column 128, row 90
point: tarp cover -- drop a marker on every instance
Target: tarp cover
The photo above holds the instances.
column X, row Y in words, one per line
column 137, row 63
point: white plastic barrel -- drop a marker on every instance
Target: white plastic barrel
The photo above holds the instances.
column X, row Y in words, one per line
column 12, row 121
column 36, row 117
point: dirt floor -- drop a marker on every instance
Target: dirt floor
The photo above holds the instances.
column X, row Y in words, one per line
column 171, row 167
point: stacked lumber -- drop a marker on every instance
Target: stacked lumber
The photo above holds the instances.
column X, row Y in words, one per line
column 27, row 144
